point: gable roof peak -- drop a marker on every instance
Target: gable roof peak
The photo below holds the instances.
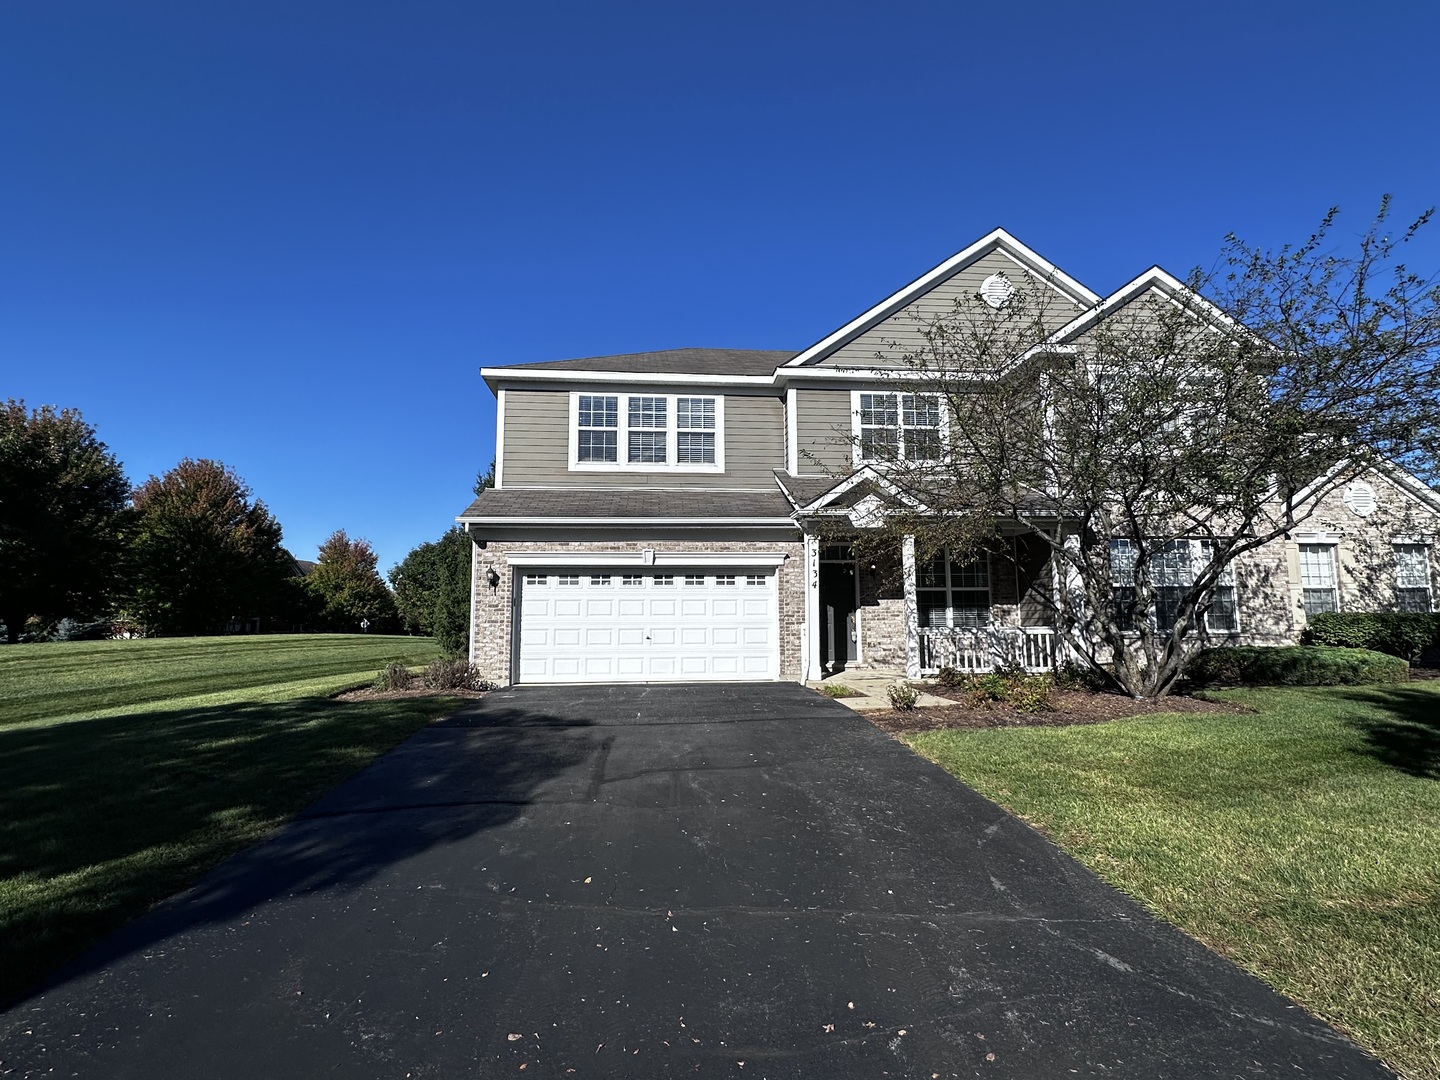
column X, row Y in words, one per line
column 996, row 238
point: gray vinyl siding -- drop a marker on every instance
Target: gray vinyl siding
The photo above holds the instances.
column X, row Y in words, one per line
column 537, row 444
column 886, row 344
column 822, row 429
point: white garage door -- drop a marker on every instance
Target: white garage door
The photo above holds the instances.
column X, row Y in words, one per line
column 604, row 626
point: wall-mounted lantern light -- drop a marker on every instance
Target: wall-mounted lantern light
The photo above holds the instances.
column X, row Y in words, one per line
column 492, row 579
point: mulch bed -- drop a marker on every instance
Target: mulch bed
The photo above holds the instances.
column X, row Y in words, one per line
column 394, row 695
column 1068, row 707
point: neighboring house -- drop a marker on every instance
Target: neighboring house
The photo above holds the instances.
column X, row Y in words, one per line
column 681, row 515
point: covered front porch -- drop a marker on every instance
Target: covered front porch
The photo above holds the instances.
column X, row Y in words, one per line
column 915, row 616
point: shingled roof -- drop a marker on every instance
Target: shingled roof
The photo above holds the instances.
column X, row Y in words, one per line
column 529, row 504
column 673, row 362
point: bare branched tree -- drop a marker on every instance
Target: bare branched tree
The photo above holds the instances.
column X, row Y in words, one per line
column 1158, row 437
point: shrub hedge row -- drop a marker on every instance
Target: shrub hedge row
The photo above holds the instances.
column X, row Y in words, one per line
column 1396, row 633
column 1294, row 665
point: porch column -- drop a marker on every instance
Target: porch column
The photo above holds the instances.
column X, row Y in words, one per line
column 912, row 609
column 811, row 658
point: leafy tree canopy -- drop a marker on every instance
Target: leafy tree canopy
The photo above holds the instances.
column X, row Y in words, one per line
column 62, row 517
column 205, row 552
column 349, row 588
column 432, row 590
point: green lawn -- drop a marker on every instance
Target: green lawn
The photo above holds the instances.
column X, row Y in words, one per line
column 128, row 768
column 1302, row 842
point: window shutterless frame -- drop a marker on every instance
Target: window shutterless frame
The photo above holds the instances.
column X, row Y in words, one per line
column 888, row 425
column 623, row 432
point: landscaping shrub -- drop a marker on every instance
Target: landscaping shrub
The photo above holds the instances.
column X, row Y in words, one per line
column 949, row 676
column 1030, row 693
column 1397, row 633
column 839, row 690
column 454, row 675
column 68, row 629
column 393, row 676
column 1293, row 665
column 903, row 696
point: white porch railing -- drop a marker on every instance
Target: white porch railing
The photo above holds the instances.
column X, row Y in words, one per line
column 1034, row 648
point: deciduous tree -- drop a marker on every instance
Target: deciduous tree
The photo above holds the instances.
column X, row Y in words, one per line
column 62, row 517
column 205, row 551
column 349, row 588
column 1166, row 437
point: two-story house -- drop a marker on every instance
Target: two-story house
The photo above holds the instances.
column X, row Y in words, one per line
column 675, row 515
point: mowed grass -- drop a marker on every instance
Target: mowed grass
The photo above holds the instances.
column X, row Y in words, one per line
column 128, row 768
column 1302, row 842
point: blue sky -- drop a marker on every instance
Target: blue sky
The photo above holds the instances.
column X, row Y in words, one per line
column 287, row 235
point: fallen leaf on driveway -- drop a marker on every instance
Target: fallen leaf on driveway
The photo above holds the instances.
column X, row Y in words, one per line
column 587, row 881
column 512, row 1036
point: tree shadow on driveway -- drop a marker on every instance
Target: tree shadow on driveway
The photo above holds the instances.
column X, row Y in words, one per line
column 103, row 818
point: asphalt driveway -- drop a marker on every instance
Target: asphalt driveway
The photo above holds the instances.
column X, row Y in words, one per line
column 745, row 881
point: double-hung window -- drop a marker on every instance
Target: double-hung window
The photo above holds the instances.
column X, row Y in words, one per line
column 1174, row 565
column 695, row 430
column 647, row 432
column 898, row 427
column 1317, row 578
column 597, row 427
column 953, row 594
column 1412, row 577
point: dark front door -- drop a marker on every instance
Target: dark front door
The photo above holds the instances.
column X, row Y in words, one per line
column 837, row 614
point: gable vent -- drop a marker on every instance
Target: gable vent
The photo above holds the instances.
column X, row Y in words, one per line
column 1361, row 499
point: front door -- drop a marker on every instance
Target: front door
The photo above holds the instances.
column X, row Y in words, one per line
column 837, row 614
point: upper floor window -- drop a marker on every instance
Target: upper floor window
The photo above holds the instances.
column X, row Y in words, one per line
column 897, row 427
column 1412, row 577
column 1173, row 568
column 646, row 432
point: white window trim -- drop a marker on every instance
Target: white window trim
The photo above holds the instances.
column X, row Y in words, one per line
column 622, row 437
column 1398, row 542
column 855, row 431
column 950, row 589
column 1325, row 540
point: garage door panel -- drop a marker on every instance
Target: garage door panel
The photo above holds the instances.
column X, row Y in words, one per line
column 603, row 627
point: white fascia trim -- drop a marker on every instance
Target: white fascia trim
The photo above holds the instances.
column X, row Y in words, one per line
column 869, row 375
column 864, row 472
column 792, row 434
column 639, row 558
column 1330, row 538
column 499, row 438
column 495, row 376
column 1153, row 278
column 631, row 522
column 951, row 266
column 1416, row 487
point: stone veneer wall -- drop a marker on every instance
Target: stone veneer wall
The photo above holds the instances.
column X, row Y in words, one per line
column 1271, row 596
column 491, row 617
